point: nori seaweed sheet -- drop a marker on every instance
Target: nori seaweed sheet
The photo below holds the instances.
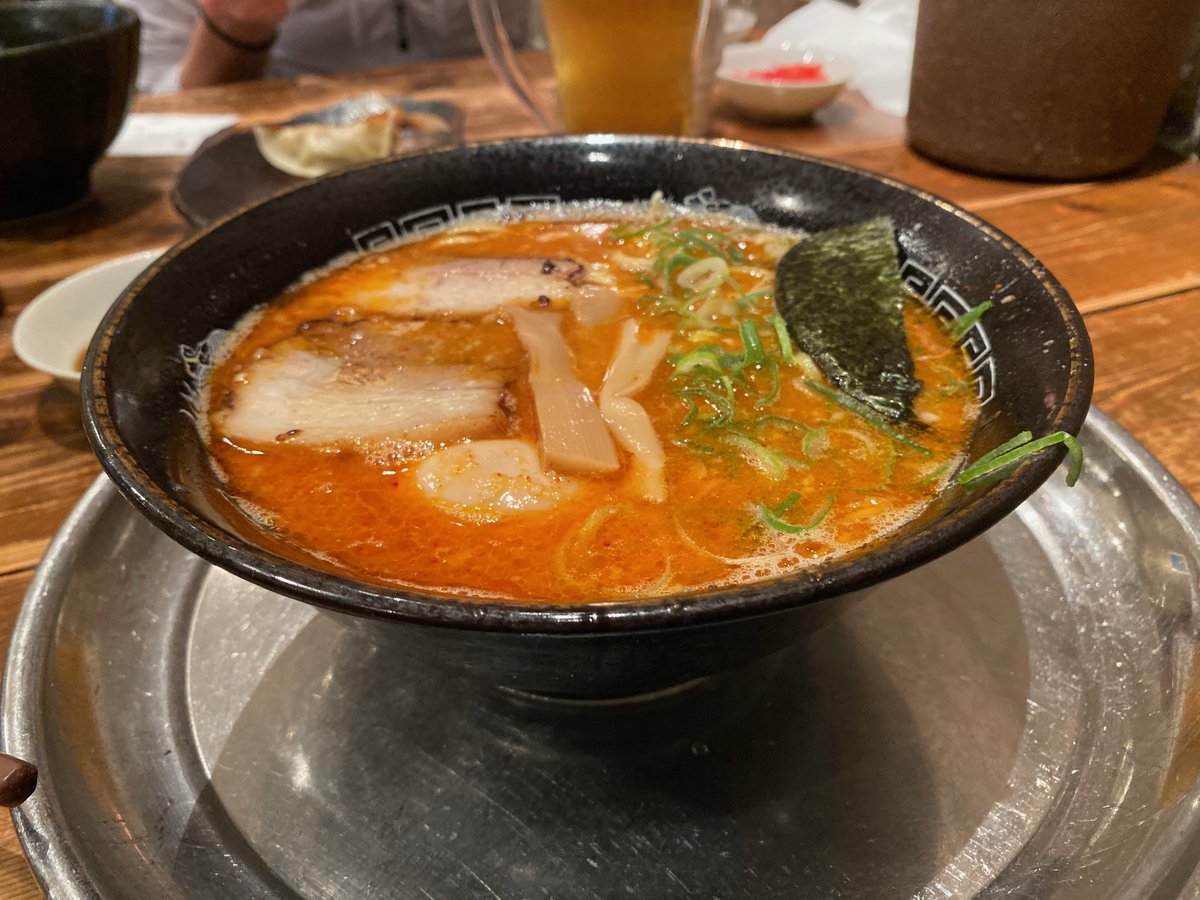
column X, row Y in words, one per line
column 841, row 296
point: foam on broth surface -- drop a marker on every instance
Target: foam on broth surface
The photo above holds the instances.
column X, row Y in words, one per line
column 367, row 334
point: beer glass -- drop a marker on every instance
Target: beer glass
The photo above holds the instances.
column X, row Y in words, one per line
column 627, row 66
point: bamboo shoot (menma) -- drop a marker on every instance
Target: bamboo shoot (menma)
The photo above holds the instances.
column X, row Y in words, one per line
column 572, row 435
column 633, row 363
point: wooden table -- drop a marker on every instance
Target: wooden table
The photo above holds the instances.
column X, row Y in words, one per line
column 1127, row 249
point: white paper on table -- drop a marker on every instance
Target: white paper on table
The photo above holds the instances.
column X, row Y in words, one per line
column 166, row 134
column 876, row 39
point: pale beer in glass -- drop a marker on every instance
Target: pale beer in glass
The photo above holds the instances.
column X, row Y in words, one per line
column 624, row 65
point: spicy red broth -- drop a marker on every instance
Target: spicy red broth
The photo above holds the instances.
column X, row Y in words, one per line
column 476, row 412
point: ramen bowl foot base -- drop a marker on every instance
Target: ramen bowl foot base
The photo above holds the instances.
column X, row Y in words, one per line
column 591, row 668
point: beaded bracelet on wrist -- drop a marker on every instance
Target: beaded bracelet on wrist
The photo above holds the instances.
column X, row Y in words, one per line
column 244, row 46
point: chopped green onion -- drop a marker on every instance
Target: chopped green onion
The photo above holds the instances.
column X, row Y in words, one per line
column 698, row 370
column 721, row 405
column 791, row 500
column 655, row 304
column 692, row 240
column 771, row 518
column 930, row 477
column 781, row 422
column 727, row 383
column 690, row 319
column 746, row 302
column 692, row 412
column 692, row 445
column 958, row 328
column 815, row 442
column 730, row 282
column 785, row 339
column 734, row 362
column 1011, row 444
column 696, row 238
column 1020, row 447
column 773, row 465
column 665, row 267
column 705, row 357
column 889, row 467
column 865, row 412
column 773, row 394
column 624, row 232
column 752, row 341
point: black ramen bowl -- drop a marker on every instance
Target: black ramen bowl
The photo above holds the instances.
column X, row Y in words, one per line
column 67, row 71
column 1032, row 362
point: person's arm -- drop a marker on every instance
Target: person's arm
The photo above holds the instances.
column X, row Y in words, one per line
column 231, row 41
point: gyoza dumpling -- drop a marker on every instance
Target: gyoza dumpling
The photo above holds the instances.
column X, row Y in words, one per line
column 311, row 149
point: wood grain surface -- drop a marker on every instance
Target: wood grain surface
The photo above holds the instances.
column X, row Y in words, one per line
column 1127, row 249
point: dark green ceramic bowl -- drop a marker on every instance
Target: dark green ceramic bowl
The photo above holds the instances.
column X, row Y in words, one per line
column 67, row 71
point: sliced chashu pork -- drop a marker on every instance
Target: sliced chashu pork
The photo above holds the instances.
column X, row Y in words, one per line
column 375, row 381
column 472, row 286
column 464, row 287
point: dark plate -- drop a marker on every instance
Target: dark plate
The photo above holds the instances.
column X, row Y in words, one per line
column 1032, row 361
column 227, row 172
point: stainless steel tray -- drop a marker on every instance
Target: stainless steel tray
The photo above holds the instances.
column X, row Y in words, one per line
column 1019, row 719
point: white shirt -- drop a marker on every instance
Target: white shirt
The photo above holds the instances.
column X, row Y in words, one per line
column 326, row 36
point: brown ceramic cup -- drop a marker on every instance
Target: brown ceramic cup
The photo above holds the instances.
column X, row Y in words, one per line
column 1055, row 89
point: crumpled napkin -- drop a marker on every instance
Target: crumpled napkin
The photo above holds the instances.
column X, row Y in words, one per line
column 876, row 39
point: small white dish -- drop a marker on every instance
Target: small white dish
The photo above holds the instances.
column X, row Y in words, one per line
column 52, row 333
column 778, row 101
